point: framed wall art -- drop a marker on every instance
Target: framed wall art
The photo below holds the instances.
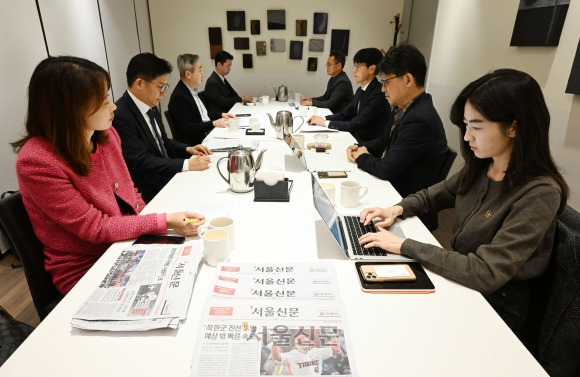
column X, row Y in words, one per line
column 236, row 20
column 320, row 23
column 539, row 22
column 276, row 19
column 339, row 40
column 296, row 48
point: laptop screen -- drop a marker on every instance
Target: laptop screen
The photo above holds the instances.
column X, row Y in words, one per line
column 327, row 212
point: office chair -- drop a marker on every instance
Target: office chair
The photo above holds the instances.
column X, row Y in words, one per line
column 170, row 123
column 449, row 159
column 15, row 224
column 559, row 337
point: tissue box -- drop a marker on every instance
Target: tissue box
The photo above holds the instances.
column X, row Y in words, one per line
column 280, row 192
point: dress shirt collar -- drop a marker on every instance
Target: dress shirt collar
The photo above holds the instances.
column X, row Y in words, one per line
column 142, row 106
column 220, row 76
column 366, row 86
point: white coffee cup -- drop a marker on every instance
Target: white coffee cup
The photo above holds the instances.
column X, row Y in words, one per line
column 216, row 244
column 297, row 97
column 330, row 190
column 303, row 110
column 350, row 193
column 223, row 222
column 233, row 125
column 299, row 140
column 265, row 100
column 311, row 111
column 254, row 124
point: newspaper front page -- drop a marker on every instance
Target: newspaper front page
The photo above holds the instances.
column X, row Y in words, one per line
column 273, row 319
column 148, row 287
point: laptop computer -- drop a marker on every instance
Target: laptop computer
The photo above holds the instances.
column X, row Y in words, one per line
column 347, row 229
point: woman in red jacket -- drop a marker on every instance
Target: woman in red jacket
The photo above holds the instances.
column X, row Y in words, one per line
column 72, row 177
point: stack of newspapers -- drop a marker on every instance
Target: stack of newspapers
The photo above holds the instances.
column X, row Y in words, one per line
column 148, row 287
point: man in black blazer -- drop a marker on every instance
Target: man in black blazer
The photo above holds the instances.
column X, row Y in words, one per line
column 152, row 158
column 411, row 152
column 191, row 120
column 339, row 89
column 366, row 116
column 219, row 94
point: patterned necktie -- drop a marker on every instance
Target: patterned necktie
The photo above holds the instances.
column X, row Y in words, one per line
column 159, row 139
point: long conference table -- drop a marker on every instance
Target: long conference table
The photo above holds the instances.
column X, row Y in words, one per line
column 452, row 332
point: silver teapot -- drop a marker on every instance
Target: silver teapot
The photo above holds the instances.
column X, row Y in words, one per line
column 284, row 124
column 241, row 168
column 281, row 93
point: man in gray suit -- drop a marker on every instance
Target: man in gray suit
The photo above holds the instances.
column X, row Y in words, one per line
column 339, row 89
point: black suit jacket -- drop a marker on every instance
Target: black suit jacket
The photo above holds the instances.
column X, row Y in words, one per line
column 149, row 169
column 338, row 94
column 416, row 151
column 371, row 119
column 189, row 128
column 220, row 96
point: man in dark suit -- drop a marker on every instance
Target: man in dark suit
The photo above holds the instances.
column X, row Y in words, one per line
column 366, row 116
column 219, row 94
column 152, row 158
column 339, row 89
column 191, row 120
column 413, row 147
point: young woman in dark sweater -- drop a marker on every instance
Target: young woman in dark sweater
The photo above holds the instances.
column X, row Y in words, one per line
column 506, row 197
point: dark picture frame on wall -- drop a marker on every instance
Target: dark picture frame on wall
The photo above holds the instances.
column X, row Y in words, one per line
column 339, row 40
column 247, row 61
column 260, row 48
column 312, row 65
column 255, row 27
column 301, row 28
column 296, row 48
column 320, row 24
column 573, row 86
column 539, row 22
column 236, row 20
column 241, row 43
column 215, row 40
column 276, row 19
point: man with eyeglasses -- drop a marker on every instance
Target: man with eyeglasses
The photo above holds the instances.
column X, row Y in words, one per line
column 152, row 158
column 339, row 89
column 411, row 152
column 191, row 119
column 220, row 95
column 367, row 114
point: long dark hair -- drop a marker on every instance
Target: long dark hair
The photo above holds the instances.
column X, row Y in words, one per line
column 63, row 91
column 505, row 96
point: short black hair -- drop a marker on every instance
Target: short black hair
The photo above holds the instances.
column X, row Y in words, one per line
column 338, row 57
column 369, row 56
column 147, row 66
column 402, row 59
column 223, row 56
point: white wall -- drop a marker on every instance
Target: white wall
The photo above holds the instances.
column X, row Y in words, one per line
column 71, row 27
column 21, row 48
column 181, row 26
column 472, row 37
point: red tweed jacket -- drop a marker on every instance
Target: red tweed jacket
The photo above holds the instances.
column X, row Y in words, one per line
column 77, row 218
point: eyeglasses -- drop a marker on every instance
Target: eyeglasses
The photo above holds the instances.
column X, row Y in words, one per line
column 162, row 87
column 358, row 66
column 330, row 65
column 386, row 81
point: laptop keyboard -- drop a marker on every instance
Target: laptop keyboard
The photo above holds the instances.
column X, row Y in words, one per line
column 357, row 229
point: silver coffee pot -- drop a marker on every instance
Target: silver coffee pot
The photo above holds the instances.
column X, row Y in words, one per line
column 284, row 124
column 241, row 168
column 281, row 93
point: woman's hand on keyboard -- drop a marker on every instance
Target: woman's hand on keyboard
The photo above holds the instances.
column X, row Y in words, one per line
column 387, row 215
column 384, row 239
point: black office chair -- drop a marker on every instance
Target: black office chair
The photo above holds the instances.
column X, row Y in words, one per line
column 559, row 337
column 15, row 224
column 171, row 126
column 449, row 159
